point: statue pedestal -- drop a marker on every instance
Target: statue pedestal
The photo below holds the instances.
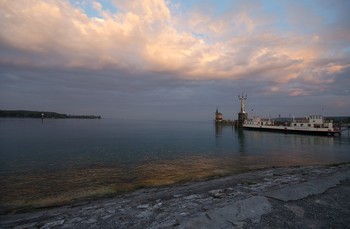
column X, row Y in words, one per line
column 241, row 117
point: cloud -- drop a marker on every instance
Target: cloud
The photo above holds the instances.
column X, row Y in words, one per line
column 153, row 37
column 144, row 35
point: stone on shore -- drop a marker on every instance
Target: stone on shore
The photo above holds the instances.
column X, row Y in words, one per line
column 231, row 215
column 293, row 197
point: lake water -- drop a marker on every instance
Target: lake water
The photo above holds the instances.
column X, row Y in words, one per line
column 60, row 161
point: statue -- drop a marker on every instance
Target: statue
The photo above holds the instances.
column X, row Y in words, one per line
column 242, row 98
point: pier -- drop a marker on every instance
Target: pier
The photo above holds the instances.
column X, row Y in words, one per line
column 242, row 115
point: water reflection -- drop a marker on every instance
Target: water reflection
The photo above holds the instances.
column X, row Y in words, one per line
column 258, row 148
column 224, row 133
column 241, row 140
column 67, row 160
column 218, row 130
column 61, row 187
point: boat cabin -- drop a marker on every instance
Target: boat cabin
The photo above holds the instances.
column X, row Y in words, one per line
column 313, row 121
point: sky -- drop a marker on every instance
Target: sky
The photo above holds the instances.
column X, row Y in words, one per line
column 175, row 59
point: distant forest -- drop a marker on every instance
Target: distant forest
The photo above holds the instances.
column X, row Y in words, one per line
column 341, row 119
column 336, row 119
column 40, row 114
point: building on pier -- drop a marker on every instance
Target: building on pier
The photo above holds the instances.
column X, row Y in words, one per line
column 218, row 116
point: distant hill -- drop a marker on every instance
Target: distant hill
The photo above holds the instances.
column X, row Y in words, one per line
column 38, row 114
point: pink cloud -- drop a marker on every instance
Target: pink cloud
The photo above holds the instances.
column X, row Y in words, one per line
column 148, row 36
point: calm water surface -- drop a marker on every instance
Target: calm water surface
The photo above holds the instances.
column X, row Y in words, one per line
column 65, row 160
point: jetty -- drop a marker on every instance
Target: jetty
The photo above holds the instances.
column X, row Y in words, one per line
column 313, row 124
column 242, row 115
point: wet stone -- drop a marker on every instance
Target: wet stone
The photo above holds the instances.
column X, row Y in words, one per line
column 145, row 214
column 90, row 221
column 107, row 216
column 88, row 208
column 158, row 205
column 30, row 225
column 111, row 211
column 143, row 206
column 230, row 202
column 219, row 193
column 298, row 211
column 191, row 197
column 53, row 224
column 99, row 211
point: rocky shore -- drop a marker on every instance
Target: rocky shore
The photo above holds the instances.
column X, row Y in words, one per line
column 292, row 197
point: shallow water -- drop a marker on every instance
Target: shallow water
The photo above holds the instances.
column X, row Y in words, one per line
column 61, row 161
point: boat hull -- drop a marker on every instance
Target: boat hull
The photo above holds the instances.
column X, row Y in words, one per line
column 287, row 130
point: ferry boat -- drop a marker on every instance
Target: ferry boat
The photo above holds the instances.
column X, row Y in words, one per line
column 314, row 124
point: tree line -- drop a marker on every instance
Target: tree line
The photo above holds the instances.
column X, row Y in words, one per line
column 41, row 114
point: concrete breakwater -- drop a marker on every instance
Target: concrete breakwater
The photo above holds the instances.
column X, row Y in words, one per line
column 312, row 196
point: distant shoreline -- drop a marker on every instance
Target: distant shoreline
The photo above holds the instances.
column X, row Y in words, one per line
column 42, row 115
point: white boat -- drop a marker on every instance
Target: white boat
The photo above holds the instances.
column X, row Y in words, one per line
column 314, row 124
